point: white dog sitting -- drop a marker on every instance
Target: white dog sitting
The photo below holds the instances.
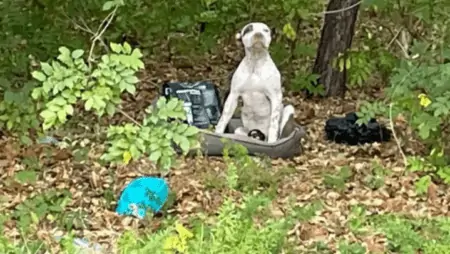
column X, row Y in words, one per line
column 258, row 81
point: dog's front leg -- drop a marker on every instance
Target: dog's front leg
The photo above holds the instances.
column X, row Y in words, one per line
column 228, row 111
column 276, row 99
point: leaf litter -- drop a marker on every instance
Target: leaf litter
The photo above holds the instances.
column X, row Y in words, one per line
column 95, row 187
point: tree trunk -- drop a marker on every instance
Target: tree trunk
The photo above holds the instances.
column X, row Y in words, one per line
column 337, row 35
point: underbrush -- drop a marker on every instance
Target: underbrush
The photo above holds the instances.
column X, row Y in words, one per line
column 92, row 81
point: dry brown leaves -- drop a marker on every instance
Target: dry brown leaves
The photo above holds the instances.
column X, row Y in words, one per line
column 88, row 182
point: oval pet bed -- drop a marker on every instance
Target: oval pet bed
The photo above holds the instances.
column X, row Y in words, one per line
column 289, row 145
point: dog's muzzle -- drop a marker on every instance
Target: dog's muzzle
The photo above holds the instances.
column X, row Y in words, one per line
column 258, row 40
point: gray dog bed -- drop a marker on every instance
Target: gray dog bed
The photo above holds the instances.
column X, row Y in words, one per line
column 288, row 146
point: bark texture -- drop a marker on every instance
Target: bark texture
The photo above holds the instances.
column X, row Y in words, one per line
column 337, row 35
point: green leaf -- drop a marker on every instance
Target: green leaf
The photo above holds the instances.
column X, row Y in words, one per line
column 131, row 89
column 137, row 53
column 108, row 5
column 26, row 176
column 64, row 51
column 39, row 76
column 289, row 32
column 126, row 48
column 110, row 109
column 172, row 104
column 115, row 47
column 47, row 68
column 184, row 144
column 127, row 73
column 47, row 114
column 69, row 109
column 191, row 130
column 135, row 151
column 60, row 101
column 155, row 156
column 88, row 104
column 9, row 124
column 77, row 53
column 181, row 128
column 424, row 131
column 422, row 184
column 62, row 115
column 131, row 79
column 36, row 94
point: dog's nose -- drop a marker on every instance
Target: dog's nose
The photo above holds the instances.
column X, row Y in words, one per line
column 258, row 35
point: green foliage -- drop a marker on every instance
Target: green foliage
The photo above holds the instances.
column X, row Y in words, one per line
column 375, row 180
column 49, row 205
column 419, row 88
column 351, row 248
column 358, row 220
column 307, row 82
column 247, row 174
column 234, row 231
column 17, row 111
column 419, row 91
column 155, row 137
column 368, row 111
column 306, row 212
column 338, row 181
column 69, row 79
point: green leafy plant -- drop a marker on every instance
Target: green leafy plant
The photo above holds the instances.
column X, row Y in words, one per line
column 375, row 180
column 69, row 79
column 419, row 92
column 307, row 82
column 358, row 220
column 358, row 64
column 18, row 112
column 351, row 248
column 306, row 212
column 247, row 174
column 234, row 231
column 338, row 180
column 49, row 205
column 154, row 137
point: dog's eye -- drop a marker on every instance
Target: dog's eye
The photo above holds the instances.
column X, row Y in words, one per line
column 266, row 30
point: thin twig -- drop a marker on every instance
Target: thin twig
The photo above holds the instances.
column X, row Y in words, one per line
column 86, row 29
column 391, row 122
column 393, row 39
column 99, row 34
column 129, row 117
column 340, row 10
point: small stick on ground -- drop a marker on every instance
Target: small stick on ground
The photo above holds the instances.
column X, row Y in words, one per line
column 391, row 122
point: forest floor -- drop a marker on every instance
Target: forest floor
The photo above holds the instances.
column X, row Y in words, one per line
column 377, row 178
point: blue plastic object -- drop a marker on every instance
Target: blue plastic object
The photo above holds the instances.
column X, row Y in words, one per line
column 141, row 194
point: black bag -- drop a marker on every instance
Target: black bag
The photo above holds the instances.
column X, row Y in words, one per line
column 201, row 101
column 345, row 130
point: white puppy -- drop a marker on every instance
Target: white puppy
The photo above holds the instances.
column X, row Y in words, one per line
column 258, row 81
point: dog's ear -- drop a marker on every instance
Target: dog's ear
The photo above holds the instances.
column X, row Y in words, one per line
column 247, row 29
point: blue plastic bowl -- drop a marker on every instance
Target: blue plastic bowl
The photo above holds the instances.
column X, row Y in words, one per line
column 143, row 193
